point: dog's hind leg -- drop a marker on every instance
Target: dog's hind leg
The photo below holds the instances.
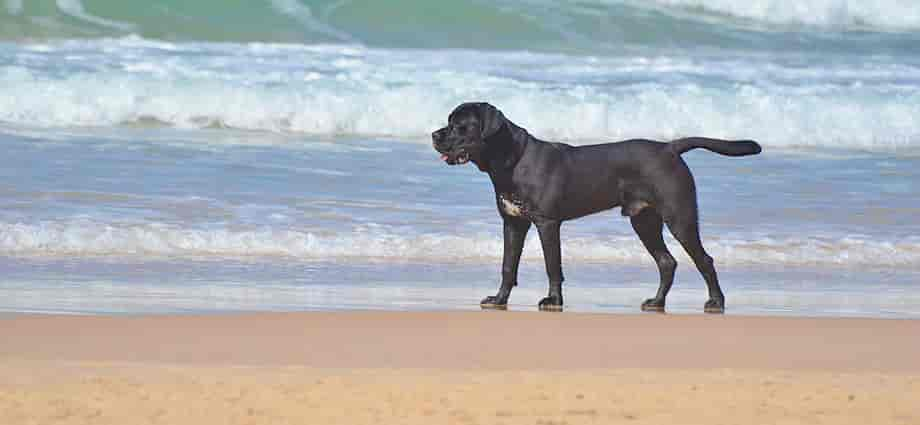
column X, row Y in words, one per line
column 648, row 225
column 686, row 230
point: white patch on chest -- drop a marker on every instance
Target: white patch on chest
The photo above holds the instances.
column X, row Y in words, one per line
column 510, row 207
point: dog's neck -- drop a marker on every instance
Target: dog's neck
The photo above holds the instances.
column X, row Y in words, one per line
column 503, row 150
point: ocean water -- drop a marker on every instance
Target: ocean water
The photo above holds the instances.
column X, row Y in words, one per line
column 274, row 155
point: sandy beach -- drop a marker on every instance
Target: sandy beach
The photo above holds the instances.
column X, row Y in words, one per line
column 457, row 367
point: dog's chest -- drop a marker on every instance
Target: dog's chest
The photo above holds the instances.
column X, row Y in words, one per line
column 511, row 205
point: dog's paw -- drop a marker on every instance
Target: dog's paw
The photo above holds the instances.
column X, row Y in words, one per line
column 550, row 304
column 714, row 306
column 494, row 302
column 653, row 304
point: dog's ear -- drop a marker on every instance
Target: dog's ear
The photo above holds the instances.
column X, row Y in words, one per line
column 491, row 119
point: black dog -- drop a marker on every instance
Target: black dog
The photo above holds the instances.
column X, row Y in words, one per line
column 547, row 183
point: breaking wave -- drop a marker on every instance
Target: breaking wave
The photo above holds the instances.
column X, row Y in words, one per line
column 335, row 90
column 89, row 238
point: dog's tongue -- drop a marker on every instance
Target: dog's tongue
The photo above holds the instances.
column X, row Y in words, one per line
column 443, row 157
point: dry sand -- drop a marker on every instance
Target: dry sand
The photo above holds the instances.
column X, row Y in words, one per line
column 457, row 368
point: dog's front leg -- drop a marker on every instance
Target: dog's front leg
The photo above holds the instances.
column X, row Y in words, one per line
column 515, row 231
column 552, row 255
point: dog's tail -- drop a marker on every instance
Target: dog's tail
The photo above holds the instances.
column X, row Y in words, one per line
column 724, row 147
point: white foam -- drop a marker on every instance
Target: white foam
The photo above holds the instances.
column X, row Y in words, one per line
column 336, row 90
column 74, row 8
column 896, row 14
column 777, row 119
column 91, row 238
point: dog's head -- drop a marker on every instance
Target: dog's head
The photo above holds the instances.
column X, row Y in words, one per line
column 465, row 137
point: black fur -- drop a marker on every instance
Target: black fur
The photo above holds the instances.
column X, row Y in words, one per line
column 543, row 184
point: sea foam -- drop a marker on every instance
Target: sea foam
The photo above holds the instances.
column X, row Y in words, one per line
column 92, row 238
column 334, row 90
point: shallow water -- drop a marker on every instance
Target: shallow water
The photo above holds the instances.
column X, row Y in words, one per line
column 133, row 224
column 105, row 286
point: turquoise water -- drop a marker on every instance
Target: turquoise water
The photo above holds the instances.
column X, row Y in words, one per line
column 195, row 156
column 584, row 26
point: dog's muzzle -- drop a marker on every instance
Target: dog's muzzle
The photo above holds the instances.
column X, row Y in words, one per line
column 449, row 154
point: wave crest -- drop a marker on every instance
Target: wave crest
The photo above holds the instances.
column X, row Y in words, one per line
column 885, row 14
column 841, row 118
